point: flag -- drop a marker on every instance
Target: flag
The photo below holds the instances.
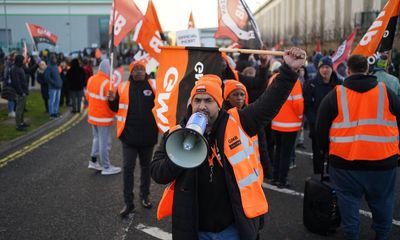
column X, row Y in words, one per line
column 191, row 21
column 151, row 63
column 126, row 16
column 149, row 34
column 41, row 35
column 117, row 77
column 380, row 36
column 179, row 69
column 235, row 23
column 343, row 51
column 318, row 46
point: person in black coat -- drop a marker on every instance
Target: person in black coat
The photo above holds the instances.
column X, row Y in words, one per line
column 20, row 84
column 313, row 92
column 206, row 200
column 139, row 135
column 76, row 78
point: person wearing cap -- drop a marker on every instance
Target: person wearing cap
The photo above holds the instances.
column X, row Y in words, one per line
column 137, row 130
column 222, row 198
column 101, row 118
column 235, row 95
column 358, row 124
column 379, row 71
column 314, row 91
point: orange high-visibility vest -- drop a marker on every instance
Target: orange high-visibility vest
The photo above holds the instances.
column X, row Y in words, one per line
column 364, row 122
column 123, row 92
column 241, row 152
column 243, row 155
column 99, row 113
column 290, row 116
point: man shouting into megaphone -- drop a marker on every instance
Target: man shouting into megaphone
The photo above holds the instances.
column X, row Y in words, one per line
column 222, row 197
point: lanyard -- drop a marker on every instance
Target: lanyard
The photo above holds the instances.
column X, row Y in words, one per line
column 214, row 154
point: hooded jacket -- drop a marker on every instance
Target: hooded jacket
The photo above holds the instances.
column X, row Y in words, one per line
column 18, row 78
column 328, row 111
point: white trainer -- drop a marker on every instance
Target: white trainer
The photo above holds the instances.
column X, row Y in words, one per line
column 95, row 166
column 111, row 170
column 11, row 114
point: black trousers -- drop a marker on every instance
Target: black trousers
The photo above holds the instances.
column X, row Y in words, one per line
column 130, row 154
column 284, row 144
column 318, row 157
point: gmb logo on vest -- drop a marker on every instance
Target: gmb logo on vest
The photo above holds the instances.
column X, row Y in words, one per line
column 147, row 92
column 234, row 142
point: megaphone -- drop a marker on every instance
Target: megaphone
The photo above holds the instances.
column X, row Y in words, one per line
column 187, row 147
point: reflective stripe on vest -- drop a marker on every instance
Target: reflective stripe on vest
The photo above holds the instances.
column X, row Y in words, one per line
column 99, row 96
column 365, row 123
column 123, row 92
column 99, row 113
column 101, row 120
column 290, row 116
column 240, row 152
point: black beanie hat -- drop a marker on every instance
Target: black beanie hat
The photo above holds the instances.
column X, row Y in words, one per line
column 325, row 61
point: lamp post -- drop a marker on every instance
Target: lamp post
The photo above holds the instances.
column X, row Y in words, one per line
column 69, row 26
column 5, row 22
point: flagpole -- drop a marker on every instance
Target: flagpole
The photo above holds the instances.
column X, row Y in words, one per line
column 253, row 23
column 252, row 51
column 30, row 34
column 111, row 43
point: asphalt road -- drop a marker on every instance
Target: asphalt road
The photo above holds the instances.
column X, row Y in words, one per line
column 49, row 193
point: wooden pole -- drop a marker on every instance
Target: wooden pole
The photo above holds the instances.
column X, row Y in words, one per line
column 252, row 51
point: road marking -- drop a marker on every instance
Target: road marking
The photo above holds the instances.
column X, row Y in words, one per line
column 304, row 153
column 28, row 148
column 154, row 231
column 294, row 193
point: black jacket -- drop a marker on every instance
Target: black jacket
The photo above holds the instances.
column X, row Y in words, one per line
column 140, row 126
column 185, row 214
column 328, row 111
column 313, row 92
column 18, row 78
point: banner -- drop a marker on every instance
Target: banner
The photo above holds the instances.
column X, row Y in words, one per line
column 189, row 38
column 234, row 23
column 40, row 34
column 343, row 51
column 380, row 36
column 126, row 16
column 179, row 69
column 191, row 21
column 148, row 32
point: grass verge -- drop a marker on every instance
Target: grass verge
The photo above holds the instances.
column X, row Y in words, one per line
column 35, row 117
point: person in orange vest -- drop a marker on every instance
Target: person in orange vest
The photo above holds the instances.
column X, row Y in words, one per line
column 358, row 124
column 284, row 127
column 235, row 95
column 101, row 118
column 222, row 198
column 137, row 130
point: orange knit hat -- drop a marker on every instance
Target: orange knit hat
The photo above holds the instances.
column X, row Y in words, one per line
column 231, row 85
column 136, row 63
column 208, row 84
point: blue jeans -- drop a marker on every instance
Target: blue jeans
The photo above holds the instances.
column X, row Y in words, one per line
column 378, row 188
column 54, row 101
column 229, row 233
column 11, row 106
column 101, row 144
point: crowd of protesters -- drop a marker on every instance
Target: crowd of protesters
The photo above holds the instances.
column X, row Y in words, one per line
column 61, row 81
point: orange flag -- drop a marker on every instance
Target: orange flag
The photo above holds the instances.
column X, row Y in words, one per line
column 380, row 35
column 318, row 46
column 191, row 21
column 179, row 69
column 126, row 16
column 148, row 33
